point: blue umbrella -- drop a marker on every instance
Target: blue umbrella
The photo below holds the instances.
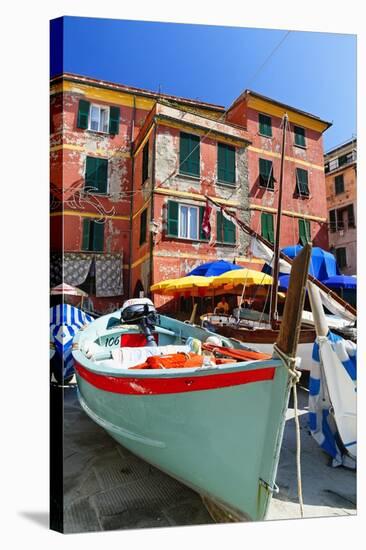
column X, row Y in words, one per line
column 322, row 264
column 211, row 269
column 341, row 281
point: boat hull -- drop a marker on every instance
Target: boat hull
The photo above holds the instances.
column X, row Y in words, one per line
column 219, row 433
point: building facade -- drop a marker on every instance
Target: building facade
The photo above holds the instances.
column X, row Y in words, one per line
column 341, row 185
column 131, row 170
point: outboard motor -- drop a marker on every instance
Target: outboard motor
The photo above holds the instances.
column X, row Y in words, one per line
column 142, row 312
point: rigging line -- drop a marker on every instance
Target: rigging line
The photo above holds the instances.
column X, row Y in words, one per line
column 269, row 57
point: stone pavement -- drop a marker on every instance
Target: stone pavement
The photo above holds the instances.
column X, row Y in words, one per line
column 106, row 487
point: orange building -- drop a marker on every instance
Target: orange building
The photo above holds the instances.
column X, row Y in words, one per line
column 131, row 170
column 341, row 184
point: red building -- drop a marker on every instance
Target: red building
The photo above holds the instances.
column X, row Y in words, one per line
column 131, row 170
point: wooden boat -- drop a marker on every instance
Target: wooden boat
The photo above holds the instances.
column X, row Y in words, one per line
column 214, row 422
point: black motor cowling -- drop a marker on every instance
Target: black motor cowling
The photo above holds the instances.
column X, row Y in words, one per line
column 142, row 312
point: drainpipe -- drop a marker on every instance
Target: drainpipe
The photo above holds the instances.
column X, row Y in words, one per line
column 151, row 262
column 132, row 195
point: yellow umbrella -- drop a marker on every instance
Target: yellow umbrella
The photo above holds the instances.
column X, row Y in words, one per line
column 188, row 283
column 181, row 284
column 239, row 277
column 159, row 288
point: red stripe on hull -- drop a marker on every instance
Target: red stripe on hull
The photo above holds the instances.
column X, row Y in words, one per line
column 156, row 386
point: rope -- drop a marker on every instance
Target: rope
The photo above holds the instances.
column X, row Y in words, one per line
column 295, row 374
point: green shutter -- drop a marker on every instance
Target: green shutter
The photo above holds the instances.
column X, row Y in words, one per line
column 270, row 228
column 339, row 184
column 86, row 234
column 91, row 173
column 267, row 226
column 304, row 232
column 102, row 175
column 225, row 230
column 98, row 236
column 96, row 175
column 266, row 174
column 83, row 114
column 202, row 233
column 172, row 219
column 302, row 186
column 226, row 163
column 265, row 125
column 229, row 232
column 189, row 155
column 114, row 113
column 332, row 221
column 145, row 162
column 143, row 225
column 299, row 136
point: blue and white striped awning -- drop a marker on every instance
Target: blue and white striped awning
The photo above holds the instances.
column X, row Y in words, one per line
column 332, row 398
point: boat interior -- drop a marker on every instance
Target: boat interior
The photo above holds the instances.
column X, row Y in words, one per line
column 142, row 339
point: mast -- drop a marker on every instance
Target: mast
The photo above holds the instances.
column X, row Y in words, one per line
column 276, row 263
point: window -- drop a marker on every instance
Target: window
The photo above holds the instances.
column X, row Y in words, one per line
column 326, row 167
column 185, row 221
column 98, row 118
column 226, row 163
column 93, row 235
column 96, row 175
column 341, row 218
column 265, row 125
column 143, row 226
column 339, row 184
column 266, row 178
column 267, row 230
column 302, row 186
column 304, row 232
column 145, row 162
column 299, row 136
column 226, row 233
column 189, row 156
column 341, row 257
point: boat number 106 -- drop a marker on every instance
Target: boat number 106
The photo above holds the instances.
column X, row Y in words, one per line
column 112, row 341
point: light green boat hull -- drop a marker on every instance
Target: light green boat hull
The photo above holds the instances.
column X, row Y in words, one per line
column 224, row 443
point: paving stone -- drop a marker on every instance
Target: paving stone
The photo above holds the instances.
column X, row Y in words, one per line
column 80, row 517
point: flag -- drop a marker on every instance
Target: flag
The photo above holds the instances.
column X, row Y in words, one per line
column 206, row 226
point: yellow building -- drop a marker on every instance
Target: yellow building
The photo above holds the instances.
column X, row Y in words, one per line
column 340, row 164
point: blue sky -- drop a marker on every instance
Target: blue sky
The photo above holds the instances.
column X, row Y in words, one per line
column 315, row 72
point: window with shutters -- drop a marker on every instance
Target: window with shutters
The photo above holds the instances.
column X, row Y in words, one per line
column 341, row 257
column 339, row 184
column 266, row 178
column 226, row 163
column 189, row 154
column 267, row 226
column 304, row 232
column 351, row 216
column 265, row 125
column 299, row 134
column 96, row 175
column 99, row 119
column 145, row 162
column 302, row 182
column 225, row 230
column 184, row 221
column 93, row 235
column 143, row 226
